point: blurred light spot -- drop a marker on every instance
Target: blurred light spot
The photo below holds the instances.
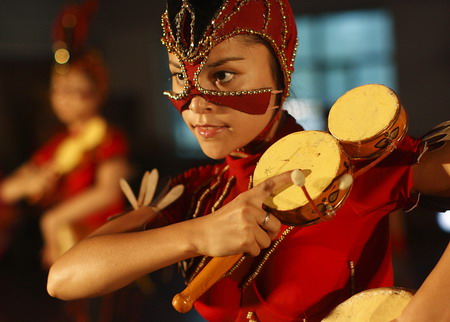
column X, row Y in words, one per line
column 62, row 56
column 443, row 220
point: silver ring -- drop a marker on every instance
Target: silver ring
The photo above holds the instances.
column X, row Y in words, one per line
column 266, row 219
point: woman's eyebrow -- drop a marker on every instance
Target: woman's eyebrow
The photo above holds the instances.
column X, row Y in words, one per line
column 223, row 61
column 175, row 64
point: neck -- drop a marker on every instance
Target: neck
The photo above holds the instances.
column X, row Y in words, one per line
column 78, row 125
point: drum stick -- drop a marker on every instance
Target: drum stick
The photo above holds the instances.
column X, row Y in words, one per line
column 208, row 276
column 298, row 178
column 345, row 181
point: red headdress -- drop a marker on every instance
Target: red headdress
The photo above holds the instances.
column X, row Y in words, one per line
column 187, row 36
column 70, row 33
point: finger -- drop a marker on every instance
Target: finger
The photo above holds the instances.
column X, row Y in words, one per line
column 262, row 239
column 142, row 189
column 254, row 250
column 272, row 185
column 272, row 225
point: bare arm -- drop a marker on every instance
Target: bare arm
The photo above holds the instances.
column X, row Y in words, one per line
column 104, row 192
column 110, row 258
column 431, row 302
column 432, row 175
column 27, row 181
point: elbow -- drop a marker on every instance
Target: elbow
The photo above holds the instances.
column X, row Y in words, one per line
column 58, row 283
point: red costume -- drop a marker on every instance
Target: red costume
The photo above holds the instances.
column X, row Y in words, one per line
column 84, row 174
column 309, row 269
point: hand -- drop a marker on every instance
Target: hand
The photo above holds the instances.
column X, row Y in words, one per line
column 50, row 252
column 40, row 180
column 238, row 226
column 49, row 255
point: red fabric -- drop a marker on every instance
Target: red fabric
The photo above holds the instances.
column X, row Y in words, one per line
column 84, row 175
column 309, row 273
column 74, row 36
column 247, row 103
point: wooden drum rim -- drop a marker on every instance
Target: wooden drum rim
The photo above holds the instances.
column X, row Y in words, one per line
column 373, row 146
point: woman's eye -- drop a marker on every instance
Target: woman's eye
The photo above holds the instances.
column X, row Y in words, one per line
column 178, row 76
column 223, row 77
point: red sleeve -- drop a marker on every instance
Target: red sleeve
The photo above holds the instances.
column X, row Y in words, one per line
column 193, row 180
column 46, row 152
column 115, row 144
column 388, row 185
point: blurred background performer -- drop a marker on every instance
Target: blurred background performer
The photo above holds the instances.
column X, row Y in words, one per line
column 74, row 178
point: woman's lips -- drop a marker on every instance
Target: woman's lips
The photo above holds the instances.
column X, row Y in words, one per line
column 209, row 131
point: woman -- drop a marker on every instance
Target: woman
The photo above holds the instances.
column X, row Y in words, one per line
column 231, row 65
column 74, row 176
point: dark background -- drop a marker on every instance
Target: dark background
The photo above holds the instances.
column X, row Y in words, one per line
column 128, row 32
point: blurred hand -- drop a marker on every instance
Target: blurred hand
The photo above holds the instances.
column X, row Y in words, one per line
column 40, row 180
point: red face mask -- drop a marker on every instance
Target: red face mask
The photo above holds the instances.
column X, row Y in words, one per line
column 250, row 102
column 272, row 20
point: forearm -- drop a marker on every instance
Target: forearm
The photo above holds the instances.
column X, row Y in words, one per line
column 107, row 259
column 431, row 176
column 431, row 302
column 13, row 188
column 103, row 263
column 88, row 202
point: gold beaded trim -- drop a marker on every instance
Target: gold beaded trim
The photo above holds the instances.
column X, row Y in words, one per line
column 351, row 266
column 216, row 205
column 185, row 9
column 224, row 194
column 186, row 86
column 264, row 259
column 268, row 253
column 208, row 41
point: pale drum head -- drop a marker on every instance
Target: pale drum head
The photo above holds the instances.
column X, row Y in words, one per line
column 375, row 305
column 316, row 152
column 366, row 120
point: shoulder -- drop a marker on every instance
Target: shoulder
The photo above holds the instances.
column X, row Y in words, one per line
column 46, row 151
column 114, row 143
column 199, row 175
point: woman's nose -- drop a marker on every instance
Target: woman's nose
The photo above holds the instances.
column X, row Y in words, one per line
column 199, row 105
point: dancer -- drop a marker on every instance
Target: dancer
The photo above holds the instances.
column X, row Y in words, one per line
column 231, row 64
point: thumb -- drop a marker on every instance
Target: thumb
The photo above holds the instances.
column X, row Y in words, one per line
column 273, row 185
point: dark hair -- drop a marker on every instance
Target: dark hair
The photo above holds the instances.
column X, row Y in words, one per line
column 91, row 64
column 204, row 13
column 274, row 63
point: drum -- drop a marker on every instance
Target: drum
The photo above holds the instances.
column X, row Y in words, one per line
column 374, row 305
column 322, row 160
column 368, row 121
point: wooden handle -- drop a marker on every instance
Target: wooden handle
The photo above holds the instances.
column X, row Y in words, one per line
column 210, row 274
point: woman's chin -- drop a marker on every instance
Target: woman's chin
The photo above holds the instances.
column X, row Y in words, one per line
column 214, row 152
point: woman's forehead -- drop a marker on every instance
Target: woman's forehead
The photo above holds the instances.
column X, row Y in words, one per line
column 234, row 48
column 73, row 77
